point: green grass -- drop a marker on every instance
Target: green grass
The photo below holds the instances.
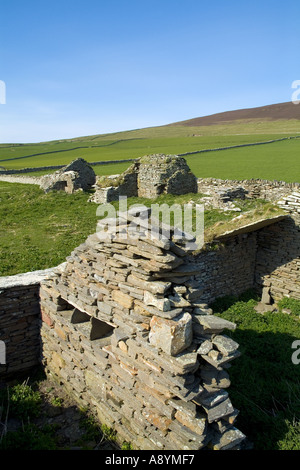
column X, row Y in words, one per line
column 40, row 230
column 270, row 161
column 276, row 161
column 264, row 380
column 118, row 149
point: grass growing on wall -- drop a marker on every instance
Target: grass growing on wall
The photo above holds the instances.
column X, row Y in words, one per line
column 264, row 380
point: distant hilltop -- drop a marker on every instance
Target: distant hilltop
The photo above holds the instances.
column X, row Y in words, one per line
column 273, row 112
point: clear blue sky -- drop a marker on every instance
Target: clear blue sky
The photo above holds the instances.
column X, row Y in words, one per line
column 75, row 68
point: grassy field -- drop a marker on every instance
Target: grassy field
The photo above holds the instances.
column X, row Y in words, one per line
column 278, row 160
column 39, row 230
column 56, row 153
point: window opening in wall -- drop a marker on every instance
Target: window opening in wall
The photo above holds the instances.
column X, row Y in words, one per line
column 100, row 329
column 91, row 327
column 79, row 317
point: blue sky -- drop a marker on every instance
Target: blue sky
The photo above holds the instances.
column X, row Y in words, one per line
column 75, row 68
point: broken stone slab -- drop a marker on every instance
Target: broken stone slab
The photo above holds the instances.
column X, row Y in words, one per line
column 218, row 411
column 211, row 324
column 177, row 300
column 228, row 440
column 205, row 347
column 216, row 359
column 166, row 257
column 169, row 314
column 225, row 345
column 214, row 378
column 172, row 336
column 179, row 289
column 266, row 297
column 210, row 399
column 263, row 308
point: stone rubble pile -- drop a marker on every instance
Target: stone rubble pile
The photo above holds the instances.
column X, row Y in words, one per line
column 125, row 331
column 223, row 198
column 291, row 203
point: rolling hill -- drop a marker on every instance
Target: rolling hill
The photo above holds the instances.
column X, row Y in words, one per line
column 199, row 139
column 273, row 112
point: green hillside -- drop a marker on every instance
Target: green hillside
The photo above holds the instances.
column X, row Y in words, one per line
column 269, row 161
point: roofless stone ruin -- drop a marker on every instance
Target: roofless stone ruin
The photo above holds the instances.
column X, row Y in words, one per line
column 125, row 330
column 148, row 177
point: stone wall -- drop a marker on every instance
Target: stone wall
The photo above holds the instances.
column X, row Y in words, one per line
column 255, row 188
column 20, row 322
column 278, row 259
column 76, row 175
column 164, row 174
column 229, row 269
column 125, row 331
column 148, row 177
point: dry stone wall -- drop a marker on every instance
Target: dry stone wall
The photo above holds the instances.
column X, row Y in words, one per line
column 20, row 322
column 278, row 256
column 124, row 328
column 262, row 189
column 227, row 270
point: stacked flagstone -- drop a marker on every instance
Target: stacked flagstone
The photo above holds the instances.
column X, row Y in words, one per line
column 291, row 203
column 125, row 331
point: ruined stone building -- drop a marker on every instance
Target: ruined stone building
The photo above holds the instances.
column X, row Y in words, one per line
column 75, row 176
column 125, row 324
column 148, row 177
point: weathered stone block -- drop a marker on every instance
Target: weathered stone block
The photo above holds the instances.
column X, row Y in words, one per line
column 123, row 299
column 172, row 336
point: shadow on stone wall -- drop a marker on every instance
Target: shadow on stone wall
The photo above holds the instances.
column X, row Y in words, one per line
column 278, row 259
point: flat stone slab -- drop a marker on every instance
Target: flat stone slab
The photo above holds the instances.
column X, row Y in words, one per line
column 28, row 279
column 257, row 225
